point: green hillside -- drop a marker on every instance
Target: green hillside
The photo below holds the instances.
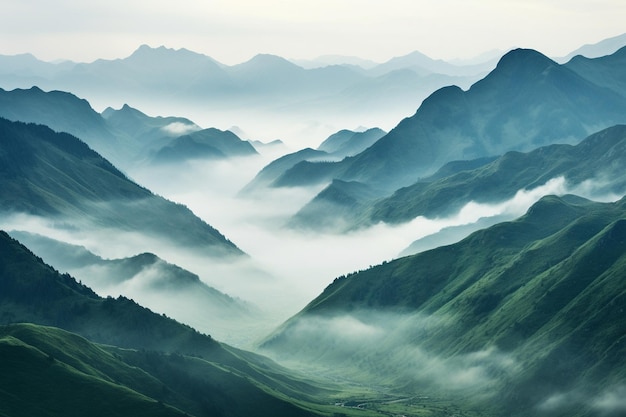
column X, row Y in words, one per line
column 49, row 372
column 510, row 317
column 56, row 175
column 170, row 362
column 598, row 160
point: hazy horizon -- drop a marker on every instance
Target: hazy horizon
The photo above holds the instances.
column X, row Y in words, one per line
column 233, row 32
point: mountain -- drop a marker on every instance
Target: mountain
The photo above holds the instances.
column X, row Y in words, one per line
column 424, row 65
column 596, row 50
column 55, row 175
column 335, row 208
column 63, row 112
column 268, row 176
column 336, row 147
column 146, row 361
column 173, row 73
column 605, row 71
column 513, row 108
column 593, row 164
column 344, row 206
column 142, row 133
column 149, row 280
column 348, row 143
column 168, row 81
column 207, row 143
column 523, row 318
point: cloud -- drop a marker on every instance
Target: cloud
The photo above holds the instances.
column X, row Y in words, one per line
column 179, row 128
column 382, row 345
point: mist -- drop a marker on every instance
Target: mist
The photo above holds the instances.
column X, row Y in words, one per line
column 285, row 268
column 390, row 347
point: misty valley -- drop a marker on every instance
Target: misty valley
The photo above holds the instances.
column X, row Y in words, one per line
column 415, row 238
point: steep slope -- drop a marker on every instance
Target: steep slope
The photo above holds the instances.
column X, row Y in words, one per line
column 63, row 112
column 337, row 146
column 348, row 143
column 156, row 356
column 143, row 133
column 268, row 176
column 151, row 281
column 512, row 316
column 56, row 175
column 512, row 108
column 335, row 207
column 48, row 372
column 594, row 164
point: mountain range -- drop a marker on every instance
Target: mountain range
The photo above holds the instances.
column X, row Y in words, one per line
column 164, row 81
column 513, row 316
column 150, row 280
column 513, row 108
column 591, row 167
column 125, row 136
column 520, row 317
column 337, row 146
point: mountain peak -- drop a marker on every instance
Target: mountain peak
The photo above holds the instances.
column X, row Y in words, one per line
column 529, row 59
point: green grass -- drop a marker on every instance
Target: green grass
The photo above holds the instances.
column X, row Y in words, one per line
column 36, row 382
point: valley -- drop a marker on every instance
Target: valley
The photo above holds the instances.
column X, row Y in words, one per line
column 466, row 259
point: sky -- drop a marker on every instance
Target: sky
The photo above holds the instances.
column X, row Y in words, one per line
column 233, row 31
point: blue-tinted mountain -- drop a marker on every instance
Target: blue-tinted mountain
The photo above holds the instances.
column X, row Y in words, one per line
column 56, row 175
column 62, row 112
column 144, row 133
column 348, row 143
column 526, row 102
column 147, row 72
column 424, row 65
column 604, row 47
column 337, row 146
column 268, row 176
column 533, row 307
column 335, row 207
column 207, row 143
column 606, row 71
column 180, row 81
column 596, row 161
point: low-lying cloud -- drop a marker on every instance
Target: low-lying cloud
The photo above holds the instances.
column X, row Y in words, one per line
column 389, row 346
column 286, row 268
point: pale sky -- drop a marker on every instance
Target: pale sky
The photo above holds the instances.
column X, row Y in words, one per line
column 232, row 31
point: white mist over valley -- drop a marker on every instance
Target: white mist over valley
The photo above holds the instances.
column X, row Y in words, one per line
column 313, row 209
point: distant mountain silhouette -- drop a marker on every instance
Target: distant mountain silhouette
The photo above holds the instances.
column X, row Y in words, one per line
column 514, row 108
column 207, row 143
column 596, row 50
